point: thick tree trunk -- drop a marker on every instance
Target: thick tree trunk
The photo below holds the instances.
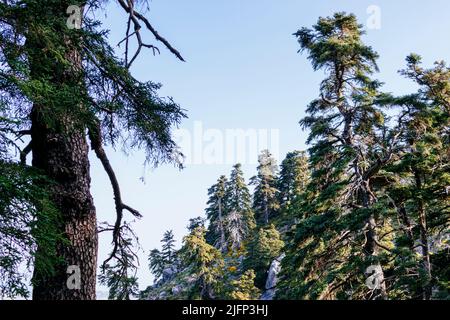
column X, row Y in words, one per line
column 63, row 157
column 60, row 151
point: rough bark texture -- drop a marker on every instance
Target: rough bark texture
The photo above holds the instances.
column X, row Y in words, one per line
column 64, row 158
column 60, row 151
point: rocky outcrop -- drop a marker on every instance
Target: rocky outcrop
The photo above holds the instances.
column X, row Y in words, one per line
column 272, row 279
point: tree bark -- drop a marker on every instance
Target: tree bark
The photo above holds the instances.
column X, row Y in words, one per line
column 63, row 157
column 60, row 151
column 423, row 238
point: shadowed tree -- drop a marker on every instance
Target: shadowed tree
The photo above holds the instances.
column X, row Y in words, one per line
column 67, row 87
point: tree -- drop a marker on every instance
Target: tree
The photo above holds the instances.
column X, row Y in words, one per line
column 156, row 263
column 350, row 145
column 240, row 219
column 216, row 214
column 263, row 249
column 160, row 260
column 195, row 223
column 265, row 203
column 420, row 193
column 63, row 82
column 205, row 263
column 244, row 287
column 168, row 252
column 294, row 177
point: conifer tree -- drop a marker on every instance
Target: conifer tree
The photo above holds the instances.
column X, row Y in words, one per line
column 294, row 177
column 350, row 145
column 217, row 214
column 62, row 81
column 205, row 262
column 265, row 197
column 195, row 223
column 160, row 260
column 265, row 246
column 156, row 263
column 244, row 287
column 168, row 244
column 420, row 193
column 240, row 219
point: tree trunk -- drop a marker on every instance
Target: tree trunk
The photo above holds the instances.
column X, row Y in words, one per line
column 423, row 239
column 60, row 151
column 63, row 157
column 371, row 246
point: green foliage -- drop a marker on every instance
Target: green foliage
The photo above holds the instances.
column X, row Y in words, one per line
column 121, row 286
column 263, row 249
column 204, row 262
column 168, row 244
column 265, row 198
column 160, row 260
column 216, row 214
column 244, row 287
column 27, row 217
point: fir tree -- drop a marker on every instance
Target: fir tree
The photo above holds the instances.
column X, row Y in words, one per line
column 265, row 246
column 240, row 220
column 350, row 145
column 244, row 287
column 205, row 262
column 156, row 263
column 168, row 244
column 217, row 213
column 420, row 193
column 62, row 82
column 294, row 177
column 160, row 260
column 195, row 223
column 265, row 197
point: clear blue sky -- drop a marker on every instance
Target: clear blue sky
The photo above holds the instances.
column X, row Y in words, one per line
column 243, row 71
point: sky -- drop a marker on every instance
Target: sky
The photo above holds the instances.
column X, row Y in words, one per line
column 242, row 74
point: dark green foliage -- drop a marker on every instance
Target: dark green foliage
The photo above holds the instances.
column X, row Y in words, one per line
column 168, row 244
column 195, row 223
column 216, row 214
column 265, row 198
column 27, row 216
column 160, row 260
column 262, row 250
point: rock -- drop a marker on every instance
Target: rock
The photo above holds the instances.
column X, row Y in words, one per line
column 268, row 295
column 272, row 279
column 169, row 273
column 176, row 290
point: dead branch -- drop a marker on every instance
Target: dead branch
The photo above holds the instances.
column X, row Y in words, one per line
column 97, row 145
column 136, row 19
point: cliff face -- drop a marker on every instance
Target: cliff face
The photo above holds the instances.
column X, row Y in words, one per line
column 272, row 279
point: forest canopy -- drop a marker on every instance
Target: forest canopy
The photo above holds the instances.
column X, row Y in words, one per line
column 362, row 214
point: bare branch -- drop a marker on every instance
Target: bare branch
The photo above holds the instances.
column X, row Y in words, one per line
column 97, row 146
column 136, row 17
